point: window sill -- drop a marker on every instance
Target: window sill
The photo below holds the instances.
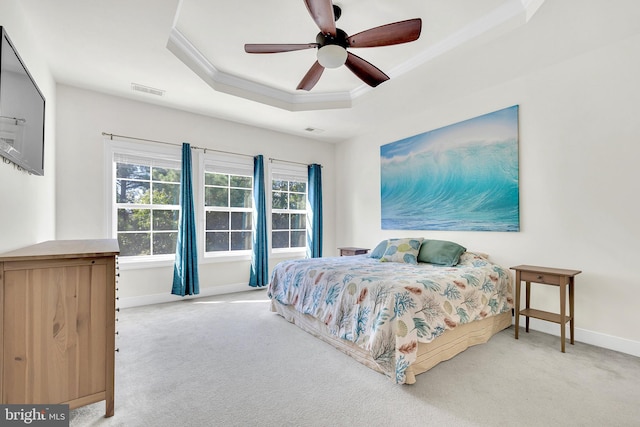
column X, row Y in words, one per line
column 289, row 254
column 212, row 259
column 136, row 263
column 140, row 263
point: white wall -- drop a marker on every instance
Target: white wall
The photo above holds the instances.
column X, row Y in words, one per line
column 27, row 202
column 579, row 152
column 573, row 70
column 81, row 212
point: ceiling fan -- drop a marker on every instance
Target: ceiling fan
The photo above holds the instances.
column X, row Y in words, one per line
column 332, row 44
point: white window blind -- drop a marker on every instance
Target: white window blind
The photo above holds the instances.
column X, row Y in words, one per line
column 158, row 161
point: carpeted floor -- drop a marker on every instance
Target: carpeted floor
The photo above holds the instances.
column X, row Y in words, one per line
column 229, row 361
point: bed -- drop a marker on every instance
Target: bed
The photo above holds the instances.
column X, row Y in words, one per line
column 396, row 313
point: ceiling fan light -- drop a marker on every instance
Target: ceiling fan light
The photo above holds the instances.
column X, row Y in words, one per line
column 332, row 56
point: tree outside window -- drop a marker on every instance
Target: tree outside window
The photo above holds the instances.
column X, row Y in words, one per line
column 147, row 207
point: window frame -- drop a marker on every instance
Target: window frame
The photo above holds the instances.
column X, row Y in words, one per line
column 223, row 163
column 201, row 161
column 145, row 153
column 289, row 172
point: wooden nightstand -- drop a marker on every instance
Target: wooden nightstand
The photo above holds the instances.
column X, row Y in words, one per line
column 547, row 276
column 348, row 251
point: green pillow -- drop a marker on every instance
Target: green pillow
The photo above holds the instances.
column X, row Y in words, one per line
column 402, row 250
column 440, row 252
column 379, row 250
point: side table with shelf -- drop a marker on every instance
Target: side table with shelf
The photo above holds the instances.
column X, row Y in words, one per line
column 547, row 276
column 349, row 251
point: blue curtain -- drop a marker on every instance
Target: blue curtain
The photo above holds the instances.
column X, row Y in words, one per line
column 185, row 268
column 259, row 276
column 314, row 211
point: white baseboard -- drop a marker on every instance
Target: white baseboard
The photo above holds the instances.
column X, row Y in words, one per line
column 167, row 297
column 598, row 339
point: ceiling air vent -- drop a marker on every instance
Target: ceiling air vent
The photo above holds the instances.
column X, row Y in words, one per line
column 313, row 130
column 147, row 89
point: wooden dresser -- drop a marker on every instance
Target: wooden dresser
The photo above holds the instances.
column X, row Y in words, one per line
column 57, row 325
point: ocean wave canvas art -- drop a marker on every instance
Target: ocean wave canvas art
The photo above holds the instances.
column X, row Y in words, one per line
column 460, row 177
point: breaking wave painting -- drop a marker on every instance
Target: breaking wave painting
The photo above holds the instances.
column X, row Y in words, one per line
column 459, row 177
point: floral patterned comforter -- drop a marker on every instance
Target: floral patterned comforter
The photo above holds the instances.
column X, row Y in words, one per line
column 386, row 308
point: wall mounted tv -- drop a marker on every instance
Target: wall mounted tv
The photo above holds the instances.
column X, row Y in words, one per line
column 21, row 112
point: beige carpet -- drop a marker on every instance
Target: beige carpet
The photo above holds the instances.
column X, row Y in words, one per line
column 228, row 361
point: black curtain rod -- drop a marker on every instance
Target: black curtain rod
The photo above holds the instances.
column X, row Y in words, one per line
column 112, row 135
column 271, row 159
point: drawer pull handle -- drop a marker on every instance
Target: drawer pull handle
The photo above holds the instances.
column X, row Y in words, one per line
column 539, row 277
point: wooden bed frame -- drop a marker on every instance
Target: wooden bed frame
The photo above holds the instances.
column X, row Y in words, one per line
column 447, row 345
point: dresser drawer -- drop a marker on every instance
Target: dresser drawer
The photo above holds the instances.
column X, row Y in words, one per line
column 550, row 279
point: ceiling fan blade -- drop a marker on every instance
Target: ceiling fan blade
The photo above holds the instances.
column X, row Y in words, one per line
column 277, row 48
column 385, row 35
column 322, row 13
column 311, row 78
column 366, row 71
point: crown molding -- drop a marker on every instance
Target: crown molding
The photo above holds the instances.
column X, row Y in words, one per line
column 231, row 84
column 510, row 15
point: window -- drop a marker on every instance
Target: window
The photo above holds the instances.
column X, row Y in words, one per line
column 289, row 209
column 228, row 205
column 144, row 189
column 147, row 197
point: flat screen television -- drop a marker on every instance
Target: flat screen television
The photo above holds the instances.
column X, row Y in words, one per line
column 21, row 111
